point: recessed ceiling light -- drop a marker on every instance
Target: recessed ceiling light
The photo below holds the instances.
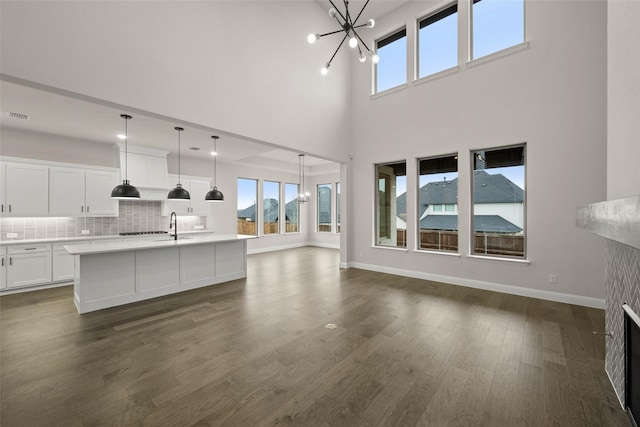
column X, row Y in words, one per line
column 121, row 136
column 213, row 153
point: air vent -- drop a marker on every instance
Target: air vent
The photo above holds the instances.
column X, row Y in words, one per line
column 194, row 148
column 18, row 116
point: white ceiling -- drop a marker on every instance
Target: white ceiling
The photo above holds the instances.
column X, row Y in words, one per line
column 96, row 123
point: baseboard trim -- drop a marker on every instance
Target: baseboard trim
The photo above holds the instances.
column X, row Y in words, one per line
column 11, row 291
column 614, row 390
column 324, row 245
column 276, row 248
column 488, row 286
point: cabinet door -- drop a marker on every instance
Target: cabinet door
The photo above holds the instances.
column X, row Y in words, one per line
column 66, row 191
column 199, row 190
column 63, row 266
column 29, row 269
column 27, row 190
column 98, row 187
column 3, row 272
column 3, row 178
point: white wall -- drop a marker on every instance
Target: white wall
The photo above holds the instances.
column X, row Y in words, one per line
column 40, row 146
column 551, row 96
column 244, row 67
column 623, row 130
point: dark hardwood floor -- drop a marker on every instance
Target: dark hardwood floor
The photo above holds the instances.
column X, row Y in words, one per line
column 256, row 352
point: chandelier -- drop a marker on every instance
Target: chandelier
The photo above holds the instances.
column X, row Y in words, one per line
column 348, row 25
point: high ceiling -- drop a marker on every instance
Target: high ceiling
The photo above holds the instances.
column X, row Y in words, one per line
column 94, row 121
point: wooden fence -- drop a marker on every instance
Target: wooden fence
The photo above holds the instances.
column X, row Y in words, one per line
column 483, row 243
column 249, row 227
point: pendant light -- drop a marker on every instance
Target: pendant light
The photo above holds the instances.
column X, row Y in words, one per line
column 179, row 193
column 125, row 191
column 214, row 195
column 303, row 196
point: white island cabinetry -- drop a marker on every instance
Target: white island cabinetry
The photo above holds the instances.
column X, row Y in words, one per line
column 116, row 273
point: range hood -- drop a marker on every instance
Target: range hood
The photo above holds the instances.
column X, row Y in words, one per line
column 147, row 170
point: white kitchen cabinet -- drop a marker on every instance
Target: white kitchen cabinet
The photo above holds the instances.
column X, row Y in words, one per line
column 75, row 191
column 198, row 189
column 28, row 265
column 63, row 263
column 3, row 177
column 3, row 268
column 26, row 190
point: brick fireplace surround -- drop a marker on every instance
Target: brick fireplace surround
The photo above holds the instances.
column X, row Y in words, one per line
column 619, row 222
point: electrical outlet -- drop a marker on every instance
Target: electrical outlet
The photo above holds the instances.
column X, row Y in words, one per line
column 12, row 235
column 553, row 278
column 85, row 232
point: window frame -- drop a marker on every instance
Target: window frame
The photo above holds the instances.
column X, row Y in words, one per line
column 435, row 16
column 471, row 39
column 297, row 186
column 338, row 206
column 257, row 203
column 318, row 208
column 377, row 243
column 383, row 41
column 472, row 253
column 442, row 207
column 264, row 220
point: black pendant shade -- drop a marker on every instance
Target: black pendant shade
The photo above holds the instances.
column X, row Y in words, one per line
column 214, row 195
column 125, row 191
column 178, row 193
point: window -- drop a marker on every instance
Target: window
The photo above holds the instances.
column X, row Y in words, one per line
column 271, row 207
column 247, row 206
column 496, row 25
column 337, row 207
column 291, row 208
column 499, row 202
column 324, row 208
column 438, row 41
column 437, row 204
column 391, row 71
column 391, row 204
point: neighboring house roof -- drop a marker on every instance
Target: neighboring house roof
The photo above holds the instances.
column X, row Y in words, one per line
column 488, row 188
column 482, row 223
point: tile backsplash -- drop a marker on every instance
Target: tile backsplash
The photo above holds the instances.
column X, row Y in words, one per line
column 133, row 216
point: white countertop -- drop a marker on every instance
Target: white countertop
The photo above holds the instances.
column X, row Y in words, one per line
column 151, row 242
column 78, row 239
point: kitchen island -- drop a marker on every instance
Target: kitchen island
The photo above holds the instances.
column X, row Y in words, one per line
column 109, row 274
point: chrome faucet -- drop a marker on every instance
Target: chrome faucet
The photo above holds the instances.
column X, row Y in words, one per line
column 173, row 223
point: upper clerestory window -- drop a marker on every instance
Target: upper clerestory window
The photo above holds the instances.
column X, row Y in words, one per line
column 391, row 71
column 496, row 25
column 438, row 41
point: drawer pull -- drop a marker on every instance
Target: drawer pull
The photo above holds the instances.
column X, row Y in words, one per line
column 10, row 261
column 30, row 249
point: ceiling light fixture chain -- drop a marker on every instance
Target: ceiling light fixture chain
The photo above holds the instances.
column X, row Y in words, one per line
column 348, row 26
column 179, row 193
column 126, row 191
column 303, row 196
column 215, row 195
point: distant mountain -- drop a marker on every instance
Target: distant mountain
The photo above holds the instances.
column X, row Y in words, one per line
column 271, row 211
